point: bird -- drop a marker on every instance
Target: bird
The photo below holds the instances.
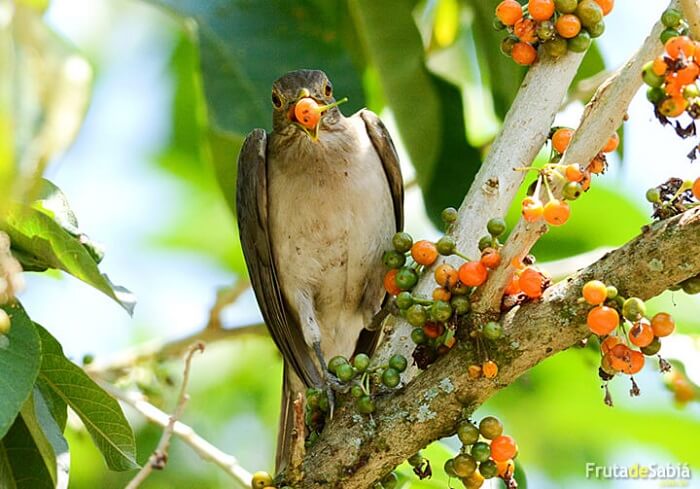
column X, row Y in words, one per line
column 317, row 203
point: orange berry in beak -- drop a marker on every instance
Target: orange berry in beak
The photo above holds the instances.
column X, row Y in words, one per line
column 307, row 112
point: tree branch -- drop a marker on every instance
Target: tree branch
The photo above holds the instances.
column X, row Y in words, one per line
column 601, row 118
column 355, row 451
column 691, row 12
column 160, row 456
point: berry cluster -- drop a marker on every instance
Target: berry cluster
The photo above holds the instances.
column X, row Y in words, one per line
column 558, row 25
column 674, row 197
column 625, row 332
column 486, row 453
column 573, row 179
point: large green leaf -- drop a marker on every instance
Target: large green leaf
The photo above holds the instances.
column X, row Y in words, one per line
column 20, row 454
column 48, row 438
column 39, row 240
column 99, row 412
column 20, row 357
column 245, row 46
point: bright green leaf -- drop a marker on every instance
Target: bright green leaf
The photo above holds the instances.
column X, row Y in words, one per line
column 37, row 236
column 100, row 413
column 20, row 356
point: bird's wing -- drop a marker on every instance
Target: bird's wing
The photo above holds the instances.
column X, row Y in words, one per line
column 252, row 209
column 387, row 153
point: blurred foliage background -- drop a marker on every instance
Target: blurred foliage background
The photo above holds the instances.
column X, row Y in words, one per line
column 169, row 88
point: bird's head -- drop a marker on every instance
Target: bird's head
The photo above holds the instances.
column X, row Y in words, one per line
column 302, row 101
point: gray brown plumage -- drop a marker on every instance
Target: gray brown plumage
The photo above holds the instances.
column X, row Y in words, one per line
column 316, row 210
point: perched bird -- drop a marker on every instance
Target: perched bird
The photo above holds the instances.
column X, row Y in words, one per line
column 318, row 200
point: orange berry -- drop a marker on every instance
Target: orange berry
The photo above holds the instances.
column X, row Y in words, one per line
column 612, row 144
column 513, row 286
column 573, row 172
column 561, row 139
column 641, row 334
column 606, row 5
column 503, row 448
column 609, row 343
column 390, row 282
column 659, row 66
column 673, row 87
column 524, row 54
column 517, row 263
column 696, row 188
column 441, row 294
column 556, row 212
column 450, row 342
column 663, row 324
column 596, row 166
column 586, row 181
column 307, row 112
column 433, row 330
column 602, row 320
column 424, row 252
column 541, row 9
column 531, row 283
column 595, row 292
column 446, row 275
column 490, row 370
column 524, row 29
column 509, row 12
column 473, row 273
column 618, row 356
column 505, row 469
column 474, row 371
column 532, row 209
column 680, row 45
column 688, row 74
column 673, row 106
column 490, row 258
column 634, row 362
column 568, row 26
column 683, row 390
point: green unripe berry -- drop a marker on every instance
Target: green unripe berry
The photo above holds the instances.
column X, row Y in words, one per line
column 336, row 362
column 596, row 30
column 572, row 190
column 655, row 95
column 651, row 78
column 323, row 402
column 488, row 469
column 634, row 308
column 365, row 405
column 565, row 6
column 416, row 315
column 652, row 348
column 493, row 330
column 402, row 242
column 464, row 465
column 404, row 300
column 668, row 34
column 546, row 30
column 416, row 460
column 261, row 480
column 467, row 433
column 361, row 362
column 485, row 242
column 5, row 323
column 481, row 451
column 449, row 468
column 556, row 48
column 460, row 304
column 580, row 43
column 406, row 278
column 589, row 13
column 313, row 397
column 490, row 427
column 611, row 291
column 418, row 336
column 391, row 481
column 446, row 245
column 653, row 195
column 692, row 285
column 391, row 377
column 448, row 215
column 498, row 25
column 393, row 259
column 507, row 44
column 356, row 391
column 345, row 372
column 671, row 17
column 496, row 226
column 691, row 91
column 440, row 311
column 398, row 362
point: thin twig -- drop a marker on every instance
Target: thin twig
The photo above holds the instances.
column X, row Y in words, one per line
column 159, row 457
column 205, row 450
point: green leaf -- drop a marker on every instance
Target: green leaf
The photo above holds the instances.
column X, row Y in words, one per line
column 36, row 236
column 20, row 356
column 48, row 438
column 19, row 453
column 396, row 52
column 245, row 47
column 55, row 404
column 99, row 412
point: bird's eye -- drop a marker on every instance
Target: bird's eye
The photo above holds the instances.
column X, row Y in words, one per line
column 328, row 90
column 276, row 100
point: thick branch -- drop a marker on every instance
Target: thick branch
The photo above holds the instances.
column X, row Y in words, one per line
column 691, row 12
column 601, row 118
column 354, row 451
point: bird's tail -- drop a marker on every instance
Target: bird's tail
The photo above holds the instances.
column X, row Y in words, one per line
column 288, row 436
